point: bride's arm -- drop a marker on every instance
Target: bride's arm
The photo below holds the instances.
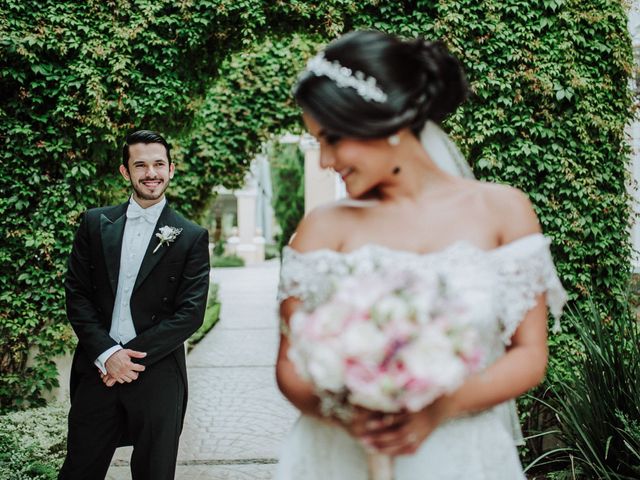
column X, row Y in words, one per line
column 520, row 369
column 319, row 229
column 299, row 392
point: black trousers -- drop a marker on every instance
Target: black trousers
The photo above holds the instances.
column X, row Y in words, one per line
column 147, row 411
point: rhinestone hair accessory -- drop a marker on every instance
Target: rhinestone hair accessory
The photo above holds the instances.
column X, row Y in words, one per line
column 344, row 77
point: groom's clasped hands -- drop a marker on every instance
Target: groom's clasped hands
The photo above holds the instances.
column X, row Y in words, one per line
column 121, row 369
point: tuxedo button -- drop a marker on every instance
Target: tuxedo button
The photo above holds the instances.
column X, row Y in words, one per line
column 99, row 309
column 172, row 279
column 165, row 299
column 92, row 267
column 95, row 289
column 153, row 317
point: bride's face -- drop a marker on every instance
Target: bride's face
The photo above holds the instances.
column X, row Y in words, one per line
column 362, row 164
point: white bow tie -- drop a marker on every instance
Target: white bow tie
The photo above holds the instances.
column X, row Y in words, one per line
column 136, row 211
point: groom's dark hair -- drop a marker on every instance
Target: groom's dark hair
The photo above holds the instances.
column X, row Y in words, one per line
column 143, row 136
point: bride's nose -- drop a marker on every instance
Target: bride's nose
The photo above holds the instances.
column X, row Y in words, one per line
column 326, row 159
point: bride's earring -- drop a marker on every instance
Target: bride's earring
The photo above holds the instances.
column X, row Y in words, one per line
column 394, row 140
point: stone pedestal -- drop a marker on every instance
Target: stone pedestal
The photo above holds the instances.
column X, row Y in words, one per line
column 247, row 245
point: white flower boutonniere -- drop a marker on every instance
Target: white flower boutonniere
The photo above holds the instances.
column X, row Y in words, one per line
column 167, row 235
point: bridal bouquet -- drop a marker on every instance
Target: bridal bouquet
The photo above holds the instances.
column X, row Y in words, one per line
column 386, row 341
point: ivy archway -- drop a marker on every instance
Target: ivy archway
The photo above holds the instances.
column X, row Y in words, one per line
column 548, row 114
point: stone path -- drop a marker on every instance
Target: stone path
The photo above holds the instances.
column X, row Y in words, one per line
column 236, row 417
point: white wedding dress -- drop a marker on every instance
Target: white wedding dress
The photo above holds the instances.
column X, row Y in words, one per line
column 504, row 283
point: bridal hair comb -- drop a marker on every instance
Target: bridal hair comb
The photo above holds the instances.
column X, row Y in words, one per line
column 344, row 77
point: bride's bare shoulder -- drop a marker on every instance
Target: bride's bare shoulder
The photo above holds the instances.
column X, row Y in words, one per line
column 512, row 210
column 326, row 225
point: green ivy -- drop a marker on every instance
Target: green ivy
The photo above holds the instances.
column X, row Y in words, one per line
column 287, row 171
column 549, row 106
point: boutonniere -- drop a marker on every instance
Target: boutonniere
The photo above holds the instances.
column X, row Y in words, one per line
column 167, row 235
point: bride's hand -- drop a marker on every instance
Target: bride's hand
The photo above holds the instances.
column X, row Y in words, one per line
column 358, row 419
column 403, row 433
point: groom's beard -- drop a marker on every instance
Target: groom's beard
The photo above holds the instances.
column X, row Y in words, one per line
column 146, row 193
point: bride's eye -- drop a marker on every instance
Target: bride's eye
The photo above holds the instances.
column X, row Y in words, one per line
column 332, row 138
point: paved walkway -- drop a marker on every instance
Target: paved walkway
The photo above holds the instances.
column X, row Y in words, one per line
column 236, row 417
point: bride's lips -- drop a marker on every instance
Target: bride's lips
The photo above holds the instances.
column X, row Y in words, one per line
column 345, row 172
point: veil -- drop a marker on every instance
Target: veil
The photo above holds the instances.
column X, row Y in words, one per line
column 448, row 157
column 443, row 151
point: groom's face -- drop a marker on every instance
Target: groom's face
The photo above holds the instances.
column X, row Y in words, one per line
column 149, row 171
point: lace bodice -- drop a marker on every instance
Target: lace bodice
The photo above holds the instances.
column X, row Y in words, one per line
column 504, row 284
column 505, row 281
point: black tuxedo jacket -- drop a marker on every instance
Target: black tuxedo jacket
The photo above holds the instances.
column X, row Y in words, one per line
column 168, row 299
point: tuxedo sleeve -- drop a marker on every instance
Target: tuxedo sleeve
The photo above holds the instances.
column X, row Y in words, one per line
column 81, row 310
column 191, row 299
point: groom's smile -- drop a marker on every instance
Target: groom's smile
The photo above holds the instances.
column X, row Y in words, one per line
column 152, row 185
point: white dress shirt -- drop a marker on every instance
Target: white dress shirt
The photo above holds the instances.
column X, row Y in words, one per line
column 138, row 230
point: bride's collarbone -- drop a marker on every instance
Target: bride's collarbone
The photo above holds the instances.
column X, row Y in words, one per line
column 413, row 227
column 421, row 235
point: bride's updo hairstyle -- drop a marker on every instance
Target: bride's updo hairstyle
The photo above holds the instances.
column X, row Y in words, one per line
column 368, row 84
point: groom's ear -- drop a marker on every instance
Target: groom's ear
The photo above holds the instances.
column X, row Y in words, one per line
column 124, row 171
column 172, row 169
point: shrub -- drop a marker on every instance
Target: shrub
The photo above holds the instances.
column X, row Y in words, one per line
column 33, row 443
column 271, row 251
column 227, row 261
column 211, row 316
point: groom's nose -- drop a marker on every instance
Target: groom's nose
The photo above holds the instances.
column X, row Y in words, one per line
column 151, row 172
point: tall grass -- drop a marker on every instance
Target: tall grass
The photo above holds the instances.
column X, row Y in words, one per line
column 598, row 412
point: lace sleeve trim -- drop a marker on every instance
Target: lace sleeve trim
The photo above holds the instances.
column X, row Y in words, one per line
column 523, row 275
column 304, row 274
column 292, row 273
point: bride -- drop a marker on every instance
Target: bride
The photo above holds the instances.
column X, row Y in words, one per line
column 374, row 103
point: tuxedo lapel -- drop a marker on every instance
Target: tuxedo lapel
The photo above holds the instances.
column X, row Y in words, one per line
column 151, row 259
column 111, row 232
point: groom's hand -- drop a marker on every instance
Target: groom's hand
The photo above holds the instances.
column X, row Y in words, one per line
column 107, row 379
column 120, row 367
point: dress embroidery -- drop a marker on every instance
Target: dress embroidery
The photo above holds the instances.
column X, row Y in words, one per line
column 505, row 282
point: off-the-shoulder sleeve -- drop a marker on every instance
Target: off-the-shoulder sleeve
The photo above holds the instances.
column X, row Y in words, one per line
column 309, row 276
column 525, row 270
column 293, row 272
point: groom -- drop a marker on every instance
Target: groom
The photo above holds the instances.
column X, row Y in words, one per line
column 136, row 289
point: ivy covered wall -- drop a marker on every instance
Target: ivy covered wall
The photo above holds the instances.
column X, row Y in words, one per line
column 548, row 113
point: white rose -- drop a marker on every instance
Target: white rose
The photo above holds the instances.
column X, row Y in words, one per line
column 374, row 400
column 392, row 308
column 431, row 357
column 326, row 368
column 364, row 340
